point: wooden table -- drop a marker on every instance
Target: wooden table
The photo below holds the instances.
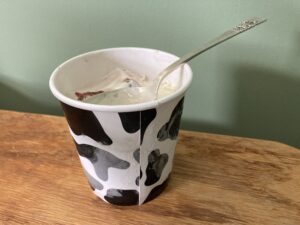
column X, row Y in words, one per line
column 216, row 180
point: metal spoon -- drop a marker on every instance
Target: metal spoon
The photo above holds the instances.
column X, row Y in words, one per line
column 150, row 92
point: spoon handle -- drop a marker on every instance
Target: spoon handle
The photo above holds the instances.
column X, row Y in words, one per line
column 242, row 27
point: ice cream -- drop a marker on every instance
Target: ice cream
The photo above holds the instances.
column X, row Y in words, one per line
column 103, row 92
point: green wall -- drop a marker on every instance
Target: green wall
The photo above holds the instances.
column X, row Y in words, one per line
column 249, row 86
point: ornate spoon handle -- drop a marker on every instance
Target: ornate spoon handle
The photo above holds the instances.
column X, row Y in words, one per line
column 242, row 27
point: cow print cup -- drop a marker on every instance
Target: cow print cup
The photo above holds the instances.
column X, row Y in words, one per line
column 111, row 153
column 126, row 151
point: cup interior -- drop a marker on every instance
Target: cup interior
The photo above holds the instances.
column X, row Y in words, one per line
column 86, row 70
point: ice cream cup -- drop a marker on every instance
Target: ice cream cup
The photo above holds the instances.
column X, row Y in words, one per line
column 126, row 151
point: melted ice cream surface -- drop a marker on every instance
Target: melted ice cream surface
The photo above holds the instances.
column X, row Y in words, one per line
column 122, row 78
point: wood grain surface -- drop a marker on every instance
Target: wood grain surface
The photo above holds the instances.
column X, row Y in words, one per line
column 216, row 180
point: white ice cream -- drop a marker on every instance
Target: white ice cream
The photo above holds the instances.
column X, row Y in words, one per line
column 121, row 78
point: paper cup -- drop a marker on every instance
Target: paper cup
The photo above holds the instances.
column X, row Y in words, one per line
column 126, row 151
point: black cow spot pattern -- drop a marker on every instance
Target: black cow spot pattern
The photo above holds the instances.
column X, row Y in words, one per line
column 137, row 180
column 156, row 164
column 157, row 190
column 146, row 118
column 86, row 151
column 171, row 128
column 130, row 121
column 85, row 122
column 122, row 197
column 101, row 160
column 133, row 121
column 94, row 184
column 136, row 155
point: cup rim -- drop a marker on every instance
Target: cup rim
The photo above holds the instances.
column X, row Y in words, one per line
column 117, row 108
